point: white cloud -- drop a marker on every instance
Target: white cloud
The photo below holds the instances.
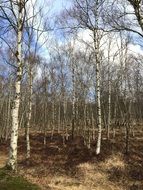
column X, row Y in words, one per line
column 85, row 37
column 135, row 49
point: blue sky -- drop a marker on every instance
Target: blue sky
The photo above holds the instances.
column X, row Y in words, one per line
column 58, row 5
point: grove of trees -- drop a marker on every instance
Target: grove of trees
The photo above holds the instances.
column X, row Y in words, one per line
column 76, row 72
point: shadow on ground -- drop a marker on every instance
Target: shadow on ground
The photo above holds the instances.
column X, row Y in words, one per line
column 73, row 164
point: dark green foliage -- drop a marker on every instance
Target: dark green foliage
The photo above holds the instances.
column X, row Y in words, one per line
column 13, row 182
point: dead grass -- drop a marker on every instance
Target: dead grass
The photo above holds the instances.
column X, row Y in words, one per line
column 116, row 160
column 3, row 158
column 71, row 167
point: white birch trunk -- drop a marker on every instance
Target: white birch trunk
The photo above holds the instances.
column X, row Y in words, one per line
column 73, row 101
column 97, row 58
column 12, row 161
column 109, row 93
column 109, row 111
column 29, row 112
column 98, row 96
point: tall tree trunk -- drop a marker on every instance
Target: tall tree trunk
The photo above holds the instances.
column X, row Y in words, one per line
column 73, row 101
column 12, row 161
column 109, row 92
column 109, row 111
column 59, row 116
column 97, row 58
column 98, row 95
column 29, row 114
column 53, row 118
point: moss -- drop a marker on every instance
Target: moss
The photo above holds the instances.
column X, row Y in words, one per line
column 3, row 174
column 13, row 182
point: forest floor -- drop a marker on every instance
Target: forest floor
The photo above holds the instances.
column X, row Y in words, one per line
column 74, row 167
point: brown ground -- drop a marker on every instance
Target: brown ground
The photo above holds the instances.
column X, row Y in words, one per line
column 74, row 167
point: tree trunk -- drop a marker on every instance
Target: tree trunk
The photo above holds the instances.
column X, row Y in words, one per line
column 29, row 112
column 12, row 161
column 73, row 101
column 96, row 43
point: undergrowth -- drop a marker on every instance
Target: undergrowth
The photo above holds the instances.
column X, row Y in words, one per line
column 9, row 181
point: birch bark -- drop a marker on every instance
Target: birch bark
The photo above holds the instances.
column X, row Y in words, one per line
column 29, row 114
column 12, row 161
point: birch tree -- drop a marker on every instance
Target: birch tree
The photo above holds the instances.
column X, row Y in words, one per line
column 86, row 15
column 16, row 11
column 124, row 16
column 138, row 9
